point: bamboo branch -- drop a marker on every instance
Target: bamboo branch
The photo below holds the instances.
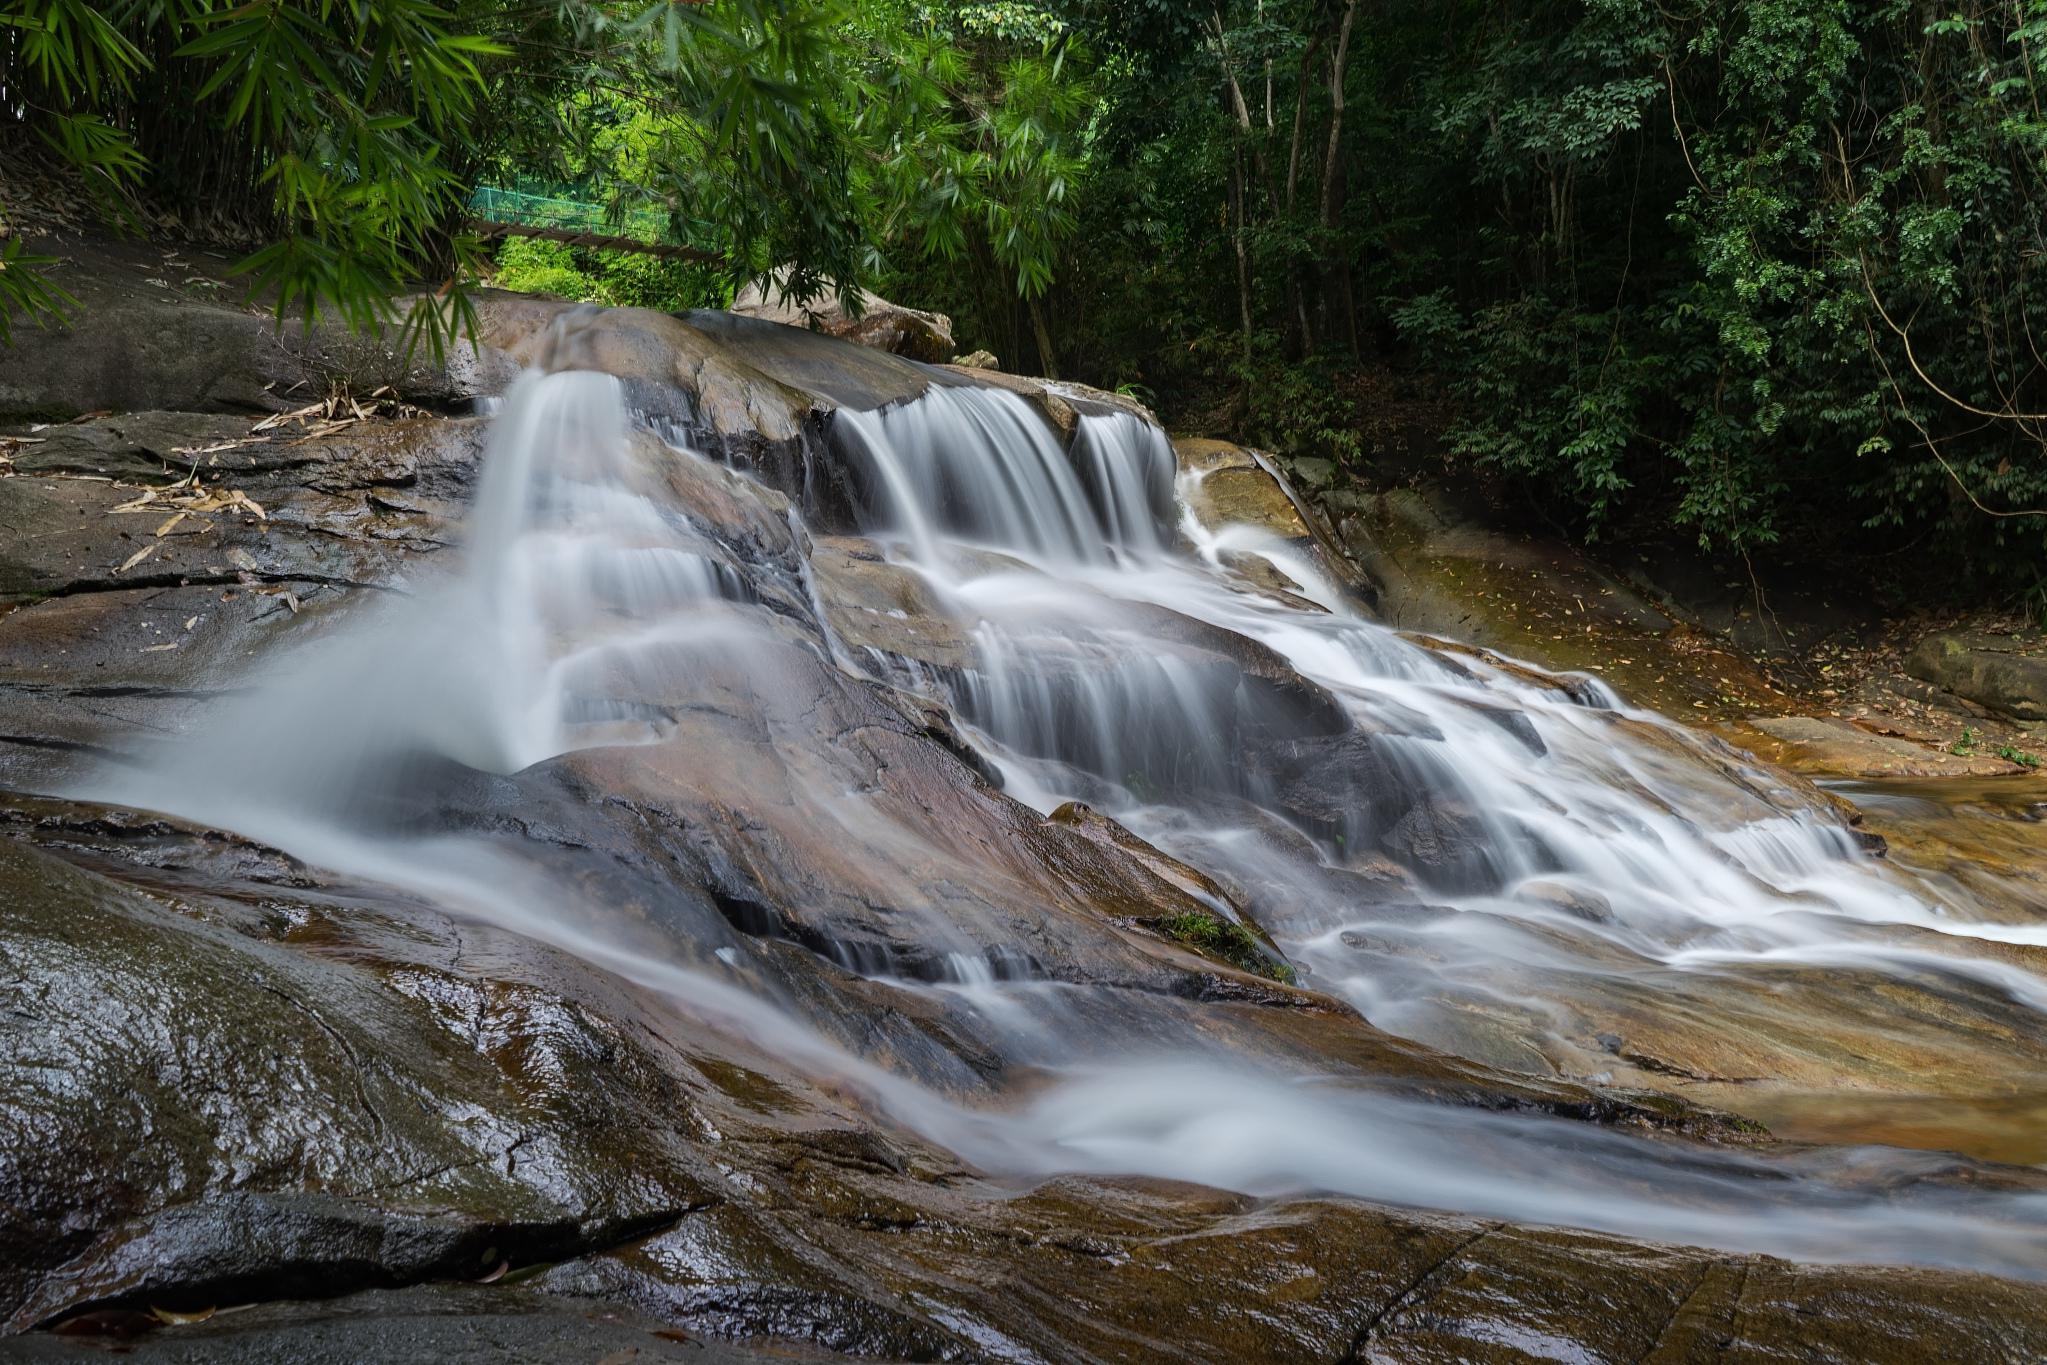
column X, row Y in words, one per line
column 490, row 231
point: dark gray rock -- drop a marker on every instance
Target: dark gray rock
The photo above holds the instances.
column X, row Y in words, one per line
column 190, row 1108
column 148, row 335
column 445, row 1323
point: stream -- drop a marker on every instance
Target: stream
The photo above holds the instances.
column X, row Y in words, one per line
column 1515, row 871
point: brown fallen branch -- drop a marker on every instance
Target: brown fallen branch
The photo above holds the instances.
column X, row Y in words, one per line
column 489, row 231
column 1932, row 445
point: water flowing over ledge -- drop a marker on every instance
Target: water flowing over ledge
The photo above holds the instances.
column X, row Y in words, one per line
column 1469, row 855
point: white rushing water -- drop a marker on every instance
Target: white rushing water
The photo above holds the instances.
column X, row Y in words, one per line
column 1588, row 839
column 1552, row 851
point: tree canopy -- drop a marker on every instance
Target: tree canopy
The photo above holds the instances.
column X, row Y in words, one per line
column 349, row 137
column 1762, row 271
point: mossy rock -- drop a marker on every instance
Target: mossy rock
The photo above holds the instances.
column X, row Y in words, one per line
column 1227, row 941
column 2008, row 674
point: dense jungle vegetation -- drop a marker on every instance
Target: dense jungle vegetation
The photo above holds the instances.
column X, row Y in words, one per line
column 1760, row 272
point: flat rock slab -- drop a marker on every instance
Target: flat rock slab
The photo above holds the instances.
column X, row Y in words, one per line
column 156, row 329
column 1831, row 747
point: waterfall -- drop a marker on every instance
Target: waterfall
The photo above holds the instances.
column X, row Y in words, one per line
column 579, row 579
column 1128, row 467
column 980, row 466
column 1438, row 842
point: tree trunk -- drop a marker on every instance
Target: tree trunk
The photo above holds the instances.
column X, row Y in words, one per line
column 1293, row 160
column 1269, row 126
column 1043, row 332
column 1332, row 170
column 1243, row 256
column 1241, row 110
column 1332, row 200
column 1296, row 281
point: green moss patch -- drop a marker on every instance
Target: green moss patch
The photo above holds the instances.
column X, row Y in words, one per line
column 1213, row 936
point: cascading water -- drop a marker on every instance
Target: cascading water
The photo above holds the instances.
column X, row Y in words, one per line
column 1128, row 467
column 1437, row 841
column 578, row 580
column 979, row 466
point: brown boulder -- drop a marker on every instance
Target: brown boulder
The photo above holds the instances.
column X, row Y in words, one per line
column 875, row 322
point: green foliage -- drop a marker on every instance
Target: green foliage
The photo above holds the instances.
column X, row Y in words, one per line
column 593, row 275
column 539, row 267
column 977, row 121
column 349, row 138
column 329, row 119
column 1761, row 273
column 1226, row 940
column 1298, row 407
column 23, row 290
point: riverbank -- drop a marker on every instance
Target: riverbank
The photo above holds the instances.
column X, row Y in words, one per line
column 1825, row 682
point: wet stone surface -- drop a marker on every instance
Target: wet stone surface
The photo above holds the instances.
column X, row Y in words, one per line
column 252, row 1110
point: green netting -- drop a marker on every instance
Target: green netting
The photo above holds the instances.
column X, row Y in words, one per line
column 500, row 205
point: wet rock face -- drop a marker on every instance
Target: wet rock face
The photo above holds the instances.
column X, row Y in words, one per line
column 227, row 1077
column 461, row 1324
column 884, row 609
column 194, row 1107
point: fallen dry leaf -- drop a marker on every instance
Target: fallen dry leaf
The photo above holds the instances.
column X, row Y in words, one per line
column 216, row 448
column 168, row 526
column 176, row 1318
column 158, row 649
column 200, row 500
column 277, row 420
column 132, row 560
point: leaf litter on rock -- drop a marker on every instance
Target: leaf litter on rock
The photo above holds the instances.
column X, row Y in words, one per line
column 338, row 412
column 197, row 498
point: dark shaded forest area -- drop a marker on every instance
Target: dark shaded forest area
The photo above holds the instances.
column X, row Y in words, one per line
column 1758, row 275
